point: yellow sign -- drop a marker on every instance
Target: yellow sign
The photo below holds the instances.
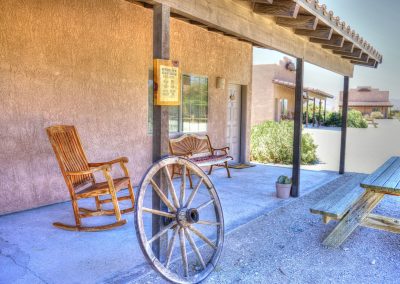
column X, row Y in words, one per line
column 167, row 83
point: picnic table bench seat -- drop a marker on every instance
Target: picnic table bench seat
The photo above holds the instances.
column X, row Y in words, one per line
column 335, row 205
column 198, row 149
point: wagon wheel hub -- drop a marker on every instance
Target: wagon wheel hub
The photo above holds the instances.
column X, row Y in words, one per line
column 186, row 217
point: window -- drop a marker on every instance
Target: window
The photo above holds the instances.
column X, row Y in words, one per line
column 284, row 107
column 194, row 103
column 192, row 115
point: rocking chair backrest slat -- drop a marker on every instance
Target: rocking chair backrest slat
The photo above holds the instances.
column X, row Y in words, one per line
column 69, row 152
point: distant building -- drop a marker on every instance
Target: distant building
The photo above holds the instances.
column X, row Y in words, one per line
column 367, row 100
column 273, row 93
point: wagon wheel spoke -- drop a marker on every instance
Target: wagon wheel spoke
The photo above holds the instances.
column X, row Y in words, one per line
column 162, row 232
column 158, row 212
column 205, row 204
column 183, row 252
column 171, row 247
column 171, row 187
column 203, row 222
column 193, row 194
column 194, row 247
column 183, row 185
column 201, row 236
column 162, row 196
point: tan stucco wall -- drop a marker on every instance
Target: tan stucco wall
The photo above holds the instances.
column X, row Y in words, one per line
column 86, row 63
column 263, row 104
column 265, row 92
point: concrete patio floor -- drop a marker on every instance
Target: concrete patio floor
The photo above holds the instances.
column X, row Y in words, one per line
column 33, row 251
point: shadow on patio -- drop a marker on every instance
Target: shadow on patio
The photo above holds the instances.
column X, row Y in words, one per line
column 32, row 250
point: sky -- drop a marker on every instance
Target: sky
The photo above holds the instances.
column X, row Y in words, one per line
column 378, row 23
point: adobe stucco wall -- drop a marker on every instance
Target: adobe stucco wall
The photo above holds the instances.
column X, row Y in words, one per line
column 263, row 102
column 265, row 92
column 86, row 63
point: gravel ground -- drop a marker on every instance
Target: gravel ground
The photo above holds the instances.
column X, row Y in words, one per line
column 284, row 246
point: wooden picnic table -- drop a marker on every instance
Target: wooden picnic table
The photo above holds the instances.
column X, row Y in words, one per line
column 385, row 180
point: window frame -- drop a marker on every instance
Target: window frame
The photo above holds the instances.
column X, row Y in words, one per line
column 180, row 107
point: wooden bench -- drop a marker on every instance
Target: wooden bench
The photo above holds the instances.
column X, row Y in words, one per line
column 199, row 150
column 335, row 205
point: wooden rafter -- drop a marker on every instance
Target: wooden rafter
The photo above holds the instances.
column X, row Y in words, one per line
column 347, row 47
column 335, row 41
column 356, row 53
column 283, row 8
column 304, row 22
column 321, row 32
column 371, row 63
column 364, row 57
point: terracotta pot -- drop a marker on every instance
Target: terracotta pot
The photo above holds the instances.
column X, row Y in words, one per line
column 283, row 190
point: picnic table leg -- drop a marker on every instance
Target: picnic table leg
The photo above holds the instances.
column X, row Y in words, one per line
column 353, row 219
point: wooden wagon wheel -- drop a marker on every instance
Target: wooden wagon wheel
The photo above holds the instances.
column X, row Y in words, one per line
column 186, row 217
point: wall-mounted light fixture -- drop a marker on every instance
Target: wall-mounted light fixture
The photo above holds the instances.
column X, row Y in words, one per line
column 220, row 83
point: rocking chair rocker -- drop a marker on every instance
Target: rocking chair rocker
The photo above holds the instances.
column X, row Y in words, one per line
column 79, row 177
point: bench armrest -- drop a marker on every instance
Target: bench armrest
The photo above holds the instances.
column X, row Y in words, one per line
column 90, row 171
column 224, row 149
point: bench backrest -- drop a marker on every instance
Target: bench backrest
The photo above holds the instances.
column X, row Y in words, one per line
column 195, row 145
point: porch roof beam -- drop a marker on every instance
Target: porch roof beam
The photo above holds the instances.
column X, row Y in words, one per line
column 240, row 21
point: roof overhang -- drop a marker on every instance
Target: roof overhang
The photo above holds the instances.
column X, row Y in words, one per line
column 311, row 92
column 300, row 28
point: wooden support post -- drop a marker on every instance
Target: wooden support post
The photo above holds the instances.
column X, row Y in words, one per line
column 161, row 46
column 325, row 112
column 313, row 114
column 308, row 99
column 298, row 117
column 320, row 113
column 345, row 106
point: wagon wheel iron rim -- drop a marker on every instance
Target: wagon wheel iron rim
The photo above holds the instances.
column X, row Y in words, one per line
column 179, row 221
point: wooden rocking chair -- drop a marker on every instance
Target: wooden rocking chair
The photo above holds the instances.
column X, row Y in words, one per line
column 79, row 177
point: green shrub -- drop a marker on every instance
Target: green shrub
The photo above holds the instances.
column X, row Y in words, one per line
column 318, row 117
column 272, row 142
column 355, row 119
column 333, row 119
column 377, row 115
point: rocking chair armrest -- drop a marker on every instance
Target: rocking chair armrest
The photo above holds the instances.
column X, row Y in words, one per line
column 118, row 160
column 90, row 171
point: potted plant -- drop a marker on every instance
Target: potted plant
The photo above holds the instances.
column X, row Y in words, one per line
column 283, row 187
